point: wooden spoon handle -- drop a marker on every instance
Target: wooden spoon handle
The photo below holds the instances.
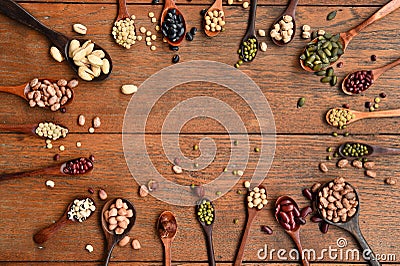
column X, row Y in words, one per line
column 385, row 151
column 110, row 246
column 28, row 129
column 210, row 249
column 168, row 253
column 385, row 10
column 19, row 175
column 379, row 71
column 369, row 256
column 45, row 234
column 291, row 9
column 16, row 90
column 296, row 239
column 18, row 13
column 122, row 10
column 378, row 114
column 240, row 253
column 252, row 18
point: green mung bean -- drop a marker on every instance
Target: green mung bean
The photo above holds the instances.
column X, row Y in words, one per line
column 205, row 212
column 331, row 15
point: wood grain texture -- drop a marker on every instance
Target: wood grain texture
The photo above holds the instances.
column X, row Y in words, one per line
column 302, row 135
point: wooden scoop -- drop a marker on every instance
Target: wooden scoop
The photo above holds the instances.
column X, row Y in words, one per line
column 216, row 6
column 291, row 11
column 46, row 233
column 169, row 4
column 364, row 115
column 376, row 73
column 352, row 226
column 346, row 37
column 22, row 91
column 251, row 30
column 168, row 238
column 208, row 228
column 58, row 170
column 29, row 129
column 373, row 150
column 18, row 13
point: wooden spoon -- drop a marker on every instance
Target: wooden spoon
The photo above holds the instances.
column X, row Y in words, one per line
column 372, row 150
column 291, row 11
column 376, row 73
column 352, row 226
column 346, row 37
column 295, row 233
column 251, row 30
column 216, row 6
column 46, row 233
column 167, row 237
column 169, row 4
column 208, row 231
column 111, row 237
column 363, row 115
column 18, row 13
column 251, row 214
column 29, row 129
column 22, row 91
column 58, row 169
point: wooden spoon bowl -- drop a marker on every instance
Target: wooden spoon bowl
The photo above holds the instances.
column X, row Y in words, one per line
column 291, row 11
column 170, row 4
column 208, row 228
column 251, row 31
column 111, row 237
column 29, row 129
column 373, row 150
column 216, row 6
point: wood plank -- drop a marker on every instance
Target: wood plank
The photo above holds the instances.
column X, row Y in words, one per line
column 293, row 169
column 276, row 72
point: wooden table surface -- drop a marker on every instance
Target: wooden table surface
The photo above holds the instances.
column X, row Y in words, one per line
column 302, row 135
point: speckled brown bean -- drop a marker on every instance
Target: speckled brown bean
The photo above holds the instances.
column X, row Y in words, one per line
column 72, row 83
column 124, row 241
column 33, row 82
column 62, row 82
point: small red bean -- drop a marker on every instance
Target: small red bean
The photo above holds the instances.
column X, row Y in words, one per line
column 324, row 227
column 284, row 216
column 266, row 229
column 316, row 219
column 305, row 211
column 296, row 212
column 287, row 208
column 307, row 194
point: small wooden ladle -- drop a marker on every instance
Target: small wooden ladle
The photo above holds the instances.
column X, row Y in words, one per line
column 208, row 228
column 291, row 11
column 346, row 37
column 295, row 233
column 352, row 226
column 29, row 129
column 251, row 30
column 111, row 237
column 51, row 170
column 216, row 6
column 46, row 233
column 169, row 4
column 251, row 214
column 364, row 115
column 376, row 73
column 167, row 237
column 122, row 11
column 22, row 91
column 18, row 13
column 372, row 150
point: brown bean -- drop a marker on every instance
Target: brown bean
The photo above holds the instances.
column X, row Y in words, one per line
column 323, row 167
column 120, row 218
column 342, row 163
column 124, row 241
column 119, row 204
column 315, row 187
column 122, row 212
column 370, row 173
column 307, row 193
column 357, row 164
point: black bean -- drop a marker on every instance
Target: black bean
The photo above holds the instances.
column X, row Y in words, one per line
column 193, row 30
column 63, row 110
column 368, row 104
column 382, row 95
column 175, row 59
column 346, row 105
column 154, row 2
column 339, row 65
column 373, row 58
column 203, row 12
column 189, row 36
column 174, row 48
column 56, row 157
column 266, row 229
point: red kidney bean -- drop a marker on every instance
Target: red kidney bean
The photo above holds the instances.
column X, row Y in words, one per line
column 285, row 225
column 91, row 157
column 323, row 227
column 266, row 229
column 285, row 202
column 305, row 211
column 284, row 216
column 296, row 212
column 91, row 190
column 307, row 194
column 56, row 157
column 316, row 219
column 287, row 208
column 300, row 220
